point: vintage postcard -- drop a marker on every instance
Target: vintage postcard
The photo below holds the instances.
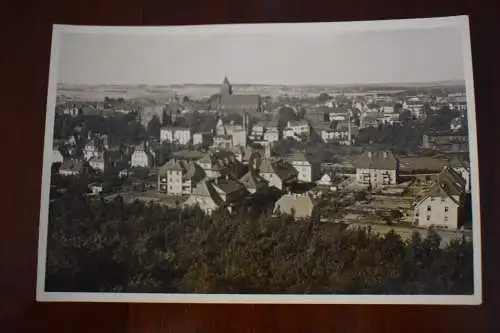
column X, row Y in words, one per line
column 262, row 163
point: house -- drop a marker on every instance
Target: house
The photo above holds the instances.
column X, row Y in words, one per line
column 106, row 161
column 297, row 129
column 205, row 196
column 265, row 131
column 307, row 169
column 141, row 157
column 72, row 167
column 245, row 155
column 298, row 205
column 210, row 194
column 456, row 124
column 338, row 132
column 229, row 190
column 377, row 169
column 179, row 135
column 57, row 156
column 239, row 136
column 220, row 162
column 271, row 134
column 179, row 177
column 462, row 167
column 443, row 205
column 202, row 139
column 253, row 182
column 222, row 142
column 446, row 141
column 278, row 172
column 257, row 133
column 415, row 106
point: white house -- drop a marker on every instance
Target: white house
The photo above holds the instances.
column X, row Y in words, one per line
column 179, row 135
column 296, row 129
column 210, row 194
column 57, row 156
column 443, row 205
column 271, row 134
column 179, row 177
column 141, row 157
column 278, row 172
column 377, row 168
column 239, row 136
column 72, row 167
column 204, row 196
column 307, row 170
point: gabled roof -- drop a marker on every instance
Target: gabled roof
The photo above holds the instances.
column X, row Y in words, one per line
column 227, row 186
column 301, row 204
column 172, row 165
column 377, row 160
column 193, row 172
column 448, row 184
column 205, row 189
column 280, row 167
column 252, row 180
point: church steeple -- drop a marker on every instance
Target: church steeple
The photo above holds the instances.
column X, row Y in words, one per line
column 226, row 88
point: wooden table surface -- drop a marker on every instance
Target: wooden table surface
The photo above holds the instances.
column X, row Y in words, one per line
column 25, row 30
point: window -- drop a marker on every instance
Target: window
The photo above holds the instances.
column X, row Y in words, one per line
column 446, row 209
column 443, row 200
column 446, row 218
column 428, row 217
column 428, row 208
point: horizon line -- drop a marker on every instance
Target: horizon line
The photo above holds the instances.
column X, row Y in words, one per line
column 441, row 82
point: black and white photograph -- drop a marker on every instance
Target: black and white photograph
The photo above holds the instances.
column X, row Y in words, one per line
column 261, row 163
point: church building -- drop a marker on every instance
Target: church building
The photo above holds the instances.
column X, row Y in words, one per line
column 227, row 101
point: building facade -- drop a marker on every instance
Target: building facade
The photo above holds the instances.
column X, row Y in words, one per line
column 377, row 169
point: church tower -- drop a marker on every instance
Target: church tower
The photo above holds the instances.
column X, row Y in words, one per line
column 226, row 88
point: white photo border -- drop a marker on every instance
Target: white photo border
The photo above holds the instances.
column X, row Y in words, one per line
column 459, row 22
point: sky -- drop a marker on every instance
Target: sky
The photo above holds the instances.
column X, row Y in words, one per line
column 393, row 56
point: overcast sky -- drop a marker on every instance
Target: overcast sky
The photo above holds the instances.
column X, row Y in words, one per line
column 416, row 55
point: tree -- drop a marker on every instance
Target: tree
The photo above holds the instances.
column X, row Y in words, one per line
column 98, row 245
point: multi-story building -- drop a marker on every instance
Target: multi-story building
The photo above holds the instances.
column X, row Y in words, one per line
column 179, row 177
column 178, row 135
column 297, row 129
column 377, row 169
column 202, row 139
column 211, row 194
column 443, row 206
column 219, row 163
column 271, row 134
column 307, row 169
column 279, row 173
column 141, row 157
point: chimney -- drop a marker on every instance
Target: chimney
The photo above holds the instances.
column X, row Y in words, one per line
column 386, row 154
column 370, row 154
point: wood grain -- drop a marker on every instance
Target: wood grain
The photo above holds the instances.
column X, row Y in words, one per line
column 25, row 28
